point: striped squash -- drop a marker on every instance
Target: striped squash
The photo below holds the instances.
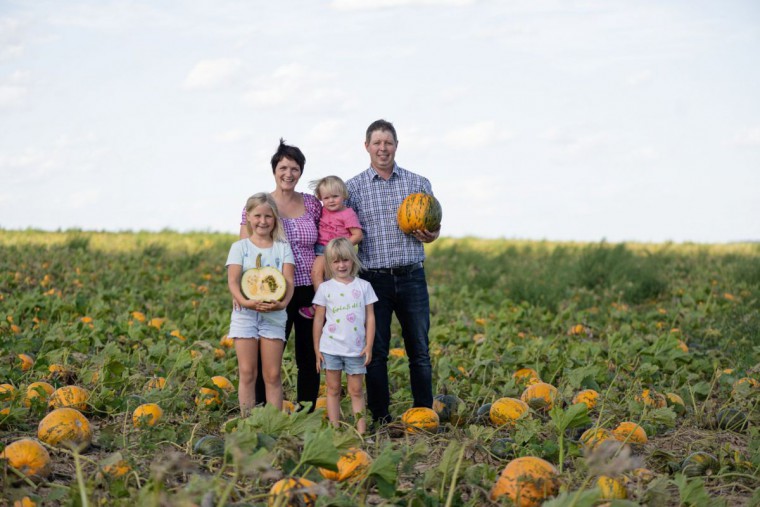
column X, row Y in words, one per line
column 419, row 212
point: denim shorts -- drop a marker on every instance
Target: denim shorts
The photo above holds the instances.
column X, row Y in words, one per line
column 351, row 365
column 247, row 323
column 319, row 249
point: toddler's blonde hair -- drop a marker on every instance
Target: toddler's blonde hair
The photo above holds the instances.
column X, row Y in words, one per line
column 330, row 184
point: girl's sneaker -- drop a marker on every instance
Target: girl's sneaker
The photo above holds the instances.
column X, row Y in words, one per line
column 307, row 312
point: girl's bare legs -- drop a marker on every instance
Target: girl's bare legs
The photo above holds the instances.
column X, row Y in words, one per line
column 333, row 395
column 271, row 369
column 247, row 351
column 356, row 391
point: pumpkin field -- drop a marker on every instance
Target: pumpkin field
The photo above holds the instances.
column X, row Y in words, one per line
column 590, row 374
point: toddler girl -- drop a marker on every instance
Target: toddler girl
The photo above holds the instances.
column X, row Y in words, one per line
column 336, row 221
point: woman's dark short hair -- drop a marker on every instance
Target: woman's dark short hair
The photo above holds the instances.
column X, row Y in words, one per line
column 381, row 125
column 287, row 151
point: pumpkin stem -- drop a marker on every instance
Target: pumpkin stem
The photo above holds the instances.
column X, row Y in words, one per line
column 258, row 261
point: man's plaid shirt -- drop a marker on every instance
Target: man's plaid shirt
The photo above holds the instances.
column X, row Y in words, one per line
column 376, row 202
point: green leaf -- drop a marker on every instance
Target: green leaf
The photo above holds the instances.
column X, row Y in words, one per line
column 575, row 416
column 586, row 498
column 384, row 471
column 661, row 416
column 692, row 492
column 319, row 451
column 577, row 376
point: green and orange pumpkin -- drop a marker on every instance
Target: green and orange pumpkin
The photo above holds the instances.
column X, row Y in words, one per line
column 505, row 411
column 419, row 212
column 540, row 396
column 65, row 426
column 295, row 491
column 351, row 465
column 420, row 419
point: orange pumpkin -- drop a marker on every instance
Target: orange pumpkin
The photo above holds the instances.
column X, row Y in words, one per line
column 70, row 396
column 526, row 376
column 611, row 488
column 397, row 352
column 65, row 426
column 675, row 402
column 38, row 391
column 208, row 398
column 288, row 407
column 60, row 372
column 592, row 437
column 222, row 383
column 419, row 419
column 630, row 432
column 588, row 396
column 7, row 392
column 26, row 361
column 527, row 482
column 505, row 411
column 28, row 457
column 147, row 414
column 115, row 466
column 156, row 383
column 419, row 212
column 651, row 398
column 540, row 396
column 25, row 501
column 227, row 342
column 295, row 491
column 352, row 465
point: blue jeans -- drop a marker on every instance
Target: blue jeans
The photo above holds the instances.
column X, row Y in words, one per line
column 407, row 296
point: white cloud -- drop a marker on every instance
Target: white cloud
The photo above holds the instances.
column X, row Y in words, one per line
column 639, row 78
column 575, row 142
column 10, row 39
column 83, row 198
column 299, row 87
column 324, row 131
column 645, row 153
column 748, row 137
column 233, row 136
column 210, row 74
column 477, row 135
column 12, row 96
column 454, row 93
column 369, row 5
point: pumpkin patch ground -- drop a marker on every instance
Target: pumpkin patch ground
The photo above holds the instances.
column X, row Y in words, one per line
column 658, row 345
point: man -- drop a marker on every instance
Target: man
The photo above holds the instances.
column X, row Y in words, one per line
column 392, row 263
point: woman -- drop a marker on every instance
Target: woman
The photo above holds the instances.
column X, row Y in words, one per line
column 300, row 217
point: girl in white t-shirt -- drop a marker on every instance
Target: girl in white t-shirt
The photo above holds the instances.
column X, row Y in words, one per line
column 344, row 328
column 258, row 327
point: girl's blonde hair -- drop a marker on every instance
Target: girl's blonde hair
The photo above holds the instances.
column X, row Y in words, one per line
column 278, row 232
column 341, row 249
column 330, row 184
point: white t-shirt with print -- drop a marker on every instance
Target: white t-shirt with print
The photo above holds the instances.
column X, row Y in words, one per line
column 345, row 312
column 244, row 253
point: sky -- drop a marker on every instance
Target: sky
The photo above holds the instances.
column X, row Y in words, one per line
column 566, row 120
